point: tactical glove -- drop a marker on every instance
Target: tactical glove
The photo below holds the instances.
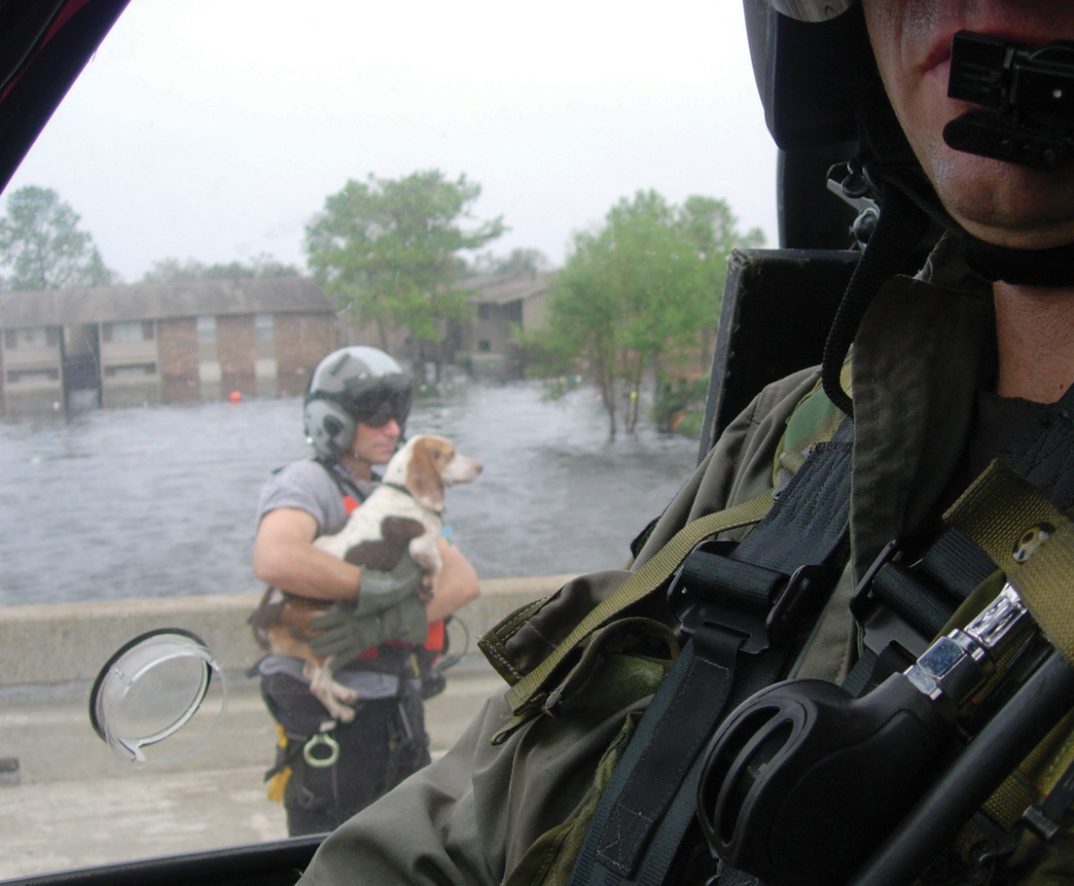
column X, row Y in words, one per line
column 388, row 608
column 379, row 590
column 345, row 634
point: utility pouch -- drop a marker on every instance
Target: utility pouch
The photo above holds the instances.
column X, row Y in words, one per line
column 532, row 660
column 620, row 669
column 408, row 742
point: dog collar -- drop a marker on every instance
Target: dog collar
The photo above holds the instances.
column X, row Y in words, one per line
column 401, row 488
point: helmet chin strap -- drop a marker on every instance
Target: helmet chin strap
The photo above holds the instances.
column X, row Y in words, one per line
column 1021, row 267
column 898, row 232
column 904, row 219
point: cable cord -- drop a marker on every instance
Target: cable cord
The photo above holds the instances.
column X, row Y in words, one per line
column 898, row 232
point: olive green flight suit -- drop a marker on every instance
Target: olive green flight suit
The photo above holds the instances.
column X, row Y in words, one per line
column 923, row 350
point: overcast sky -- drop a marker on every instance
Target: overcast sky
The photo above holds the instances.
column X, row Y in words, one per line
column 214, row 129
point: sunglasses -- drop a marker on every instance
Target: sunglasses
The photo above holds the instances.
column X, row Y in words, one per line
column 376, row 413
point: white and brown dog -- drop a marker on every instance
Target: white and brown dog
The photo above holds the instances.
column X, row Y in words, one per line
column 403, row 512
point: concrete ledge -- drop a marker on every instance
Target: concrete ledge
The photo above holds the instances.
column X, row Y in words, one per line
column 68, row 643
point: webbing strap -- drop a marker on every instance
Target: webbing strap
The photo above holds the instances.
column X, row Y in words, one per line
column 649, row 576
column 1030, row 540
column 958, row 561
column 648, row 804
column 1033, row 543
column 652, row 771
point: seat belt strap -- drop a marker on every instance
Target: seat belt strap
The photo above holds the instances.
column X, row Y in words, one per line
column 655, row 765
column 649, row 576
column 631, row 839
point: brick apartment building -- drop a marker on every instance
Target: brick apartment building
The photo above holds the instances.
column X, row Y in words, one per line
column 162, row 342
column 201, row 340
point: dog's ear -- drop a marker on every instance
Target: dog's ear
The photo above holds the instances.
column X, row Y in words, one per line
column 423, row 473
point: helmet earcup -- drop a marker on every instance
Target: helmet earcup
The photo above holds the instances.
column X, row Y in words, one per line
column 328, row 426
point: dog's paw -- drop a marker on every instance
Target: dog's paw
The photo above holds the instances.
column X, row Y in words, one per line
column 343, row 713
column 336, row 698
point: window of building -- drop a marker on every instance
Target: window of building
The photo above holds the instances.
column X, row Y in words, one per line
column 209, row 371
column 28, row 376
column 128, row 331
column 265, row 326
column 207, row 329
column 30, row 337
column 133, row 370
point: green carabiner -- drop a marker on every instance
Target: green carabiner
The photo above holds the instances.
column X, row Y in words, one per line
column 316, row 760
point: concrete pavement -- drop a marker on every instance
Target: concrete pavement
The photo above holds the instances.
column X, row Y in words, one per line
column 66, row 801
column 73, row 804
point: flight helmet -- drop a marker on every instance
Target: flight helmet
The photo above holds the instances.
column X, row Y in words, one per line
column 353, row 385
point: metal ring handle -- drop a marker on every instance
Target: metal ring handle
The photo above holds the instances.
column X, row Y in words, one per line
column 310, row 748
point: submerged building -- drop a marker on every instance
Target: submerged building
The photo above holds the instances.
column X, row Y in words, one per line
column 152, row 343
column 162, row 342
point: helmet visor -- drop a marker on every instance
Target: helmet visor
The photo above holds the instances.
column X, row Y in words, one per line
column 376, row 408
column 811, row 10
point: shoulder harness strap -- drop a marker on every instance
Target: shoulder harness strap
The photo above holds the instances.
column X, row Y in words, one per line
column 746, row 615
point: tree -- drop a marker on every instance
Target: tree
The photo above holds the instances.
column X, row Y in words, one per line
column 171, row 270
column 389, row 250
column 519, row 262
column 640, row 295
column 712, row 228
column 41, row 243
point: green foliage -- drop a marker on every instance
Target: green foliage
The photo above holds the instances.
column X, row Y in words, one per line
column 171, row 270
column 41, row 244
column 679, row 404
column 640, row 295
column 389, row 249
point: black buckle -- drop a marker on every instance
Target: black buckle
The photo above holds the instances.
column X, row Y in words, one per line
column 758, row 603
column 882, row 626
column 864, row 602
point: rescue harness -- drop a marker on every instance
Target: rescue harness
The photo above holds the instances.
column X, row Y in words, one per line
column 303, row 729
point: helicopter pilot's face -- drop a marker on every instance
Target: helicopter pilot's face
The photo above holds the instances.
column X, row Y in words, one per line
column 999, row 202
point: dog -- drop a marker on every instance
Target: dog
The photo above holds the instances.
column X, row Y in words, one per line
column 403, row 513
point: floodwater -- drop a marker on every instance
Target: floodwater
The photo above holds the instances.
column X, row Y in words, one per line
column 160, row 501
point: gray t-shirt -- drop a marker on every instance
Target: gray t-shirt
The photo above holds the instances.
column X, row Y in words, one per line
column 308, row 486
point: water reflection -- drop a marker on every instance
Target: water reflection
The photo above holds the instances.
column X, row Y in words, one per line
column 160, row 501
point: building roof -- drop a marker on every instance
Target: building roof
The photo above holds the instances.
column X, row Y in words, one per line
column 154, row 301
column 503, row 289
